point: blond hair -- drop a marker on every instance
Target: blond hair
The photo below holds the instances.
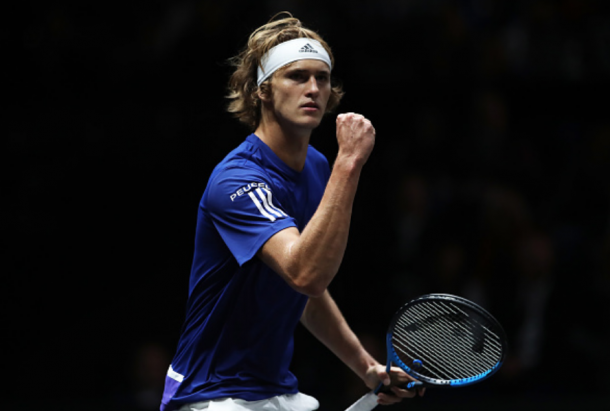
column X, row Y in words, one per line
column 243, row 91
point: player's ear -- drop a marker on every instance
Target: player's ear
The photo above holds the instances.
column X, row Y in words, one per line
column 264, row 92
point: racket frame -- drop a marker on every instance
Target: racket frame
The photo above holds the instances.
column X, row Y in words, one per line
column 394, row 358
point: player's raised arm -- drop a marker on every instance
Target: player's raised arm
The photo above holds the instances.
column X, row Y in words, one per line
column 308, row 261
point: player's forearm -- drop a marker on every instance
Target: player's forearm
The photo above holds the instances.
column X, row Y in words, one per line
column 324, row 320
column 318, row 253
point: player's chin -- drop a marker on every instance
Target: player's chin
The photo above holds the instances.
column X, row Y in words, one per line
column 311, row 121
column 310, row 125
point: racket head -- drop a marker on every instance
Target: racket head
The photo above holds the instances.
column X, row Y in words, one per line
column 446, row 340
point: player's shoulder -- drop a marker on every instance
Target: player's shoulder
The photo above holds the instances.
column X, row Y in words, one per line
column 240, row 171
column 231, row 182
column 243, row 161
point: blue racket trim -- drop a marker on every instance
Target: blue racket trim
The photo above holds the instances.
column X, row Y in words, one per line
column 394, row 358
column 390, row 351
column 455, row 383
column 470, row 380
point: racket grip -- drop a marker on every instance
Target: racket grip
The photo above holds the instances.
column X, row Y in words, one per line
column 366, row 403
column 413, row 385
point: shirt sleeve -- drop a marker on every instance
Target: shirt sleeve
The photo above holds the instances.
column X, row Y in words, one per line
column 244, row 211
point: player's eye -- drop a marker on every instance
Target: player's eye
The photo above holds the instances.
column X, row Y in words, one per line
column 297, row 76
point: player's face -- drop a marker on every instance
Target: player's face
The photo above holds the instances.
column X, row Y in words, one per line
column 300, row 93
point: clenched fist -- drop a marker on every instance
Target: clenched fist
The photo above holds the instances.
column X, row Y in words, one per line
column 356, row 137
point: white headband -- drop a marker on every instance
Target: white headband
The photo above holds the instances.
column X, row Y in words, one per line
column 288, row 52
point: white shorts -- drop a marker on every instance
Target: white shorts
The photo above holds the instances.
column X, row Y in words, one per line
column 287, row 402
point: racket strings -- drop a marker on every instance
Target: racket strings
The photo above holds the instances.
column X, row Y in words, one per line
column 475, row 323
column 495, row 345
column 451, row 343
column 445, row 351
column 475, row 319
column 438, row 355
column 435, row 362
column 441, row 365
column 448, row 345
column 454, row 334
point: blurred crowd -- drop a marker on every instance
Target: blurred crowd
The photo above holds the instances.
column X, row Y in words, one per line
column 490, row 176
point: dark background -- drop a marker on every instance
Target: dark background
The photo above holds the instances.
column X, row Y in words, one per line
column 489, row 179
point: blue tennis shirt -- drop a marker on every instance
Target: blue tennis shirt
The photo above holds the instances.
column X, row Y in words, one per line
column 237, row 338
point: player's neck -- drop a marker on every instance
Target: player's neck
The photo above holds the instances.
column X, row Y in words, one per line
column 289, row 145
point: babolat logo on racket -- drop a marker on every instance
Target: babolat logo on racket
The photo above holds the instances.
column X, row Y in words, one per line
column 308, row 48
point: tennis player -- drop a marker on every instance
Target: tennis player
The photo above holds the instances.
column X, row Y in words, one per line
column 272, row 228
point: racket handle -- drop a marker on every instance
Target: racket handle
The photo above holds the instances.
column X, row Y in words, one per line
column 369, row 400
column 366, row 403
column 413, row 385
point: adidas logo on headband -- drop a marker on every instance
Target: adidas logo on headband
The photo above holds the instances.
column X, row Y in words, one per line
column 308, row 48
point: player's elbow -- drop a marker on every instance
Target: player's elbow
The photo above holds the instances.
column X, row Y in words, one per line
column 308, row 275
column 311, row 284
column 311, row 289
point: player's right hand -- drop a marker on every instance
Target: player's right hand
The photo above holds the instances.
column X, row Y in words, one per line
column 393, row 392
column 355, row 136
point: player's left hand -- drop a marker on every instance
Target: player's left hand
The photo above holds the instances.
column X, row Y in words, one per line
column 396, row 379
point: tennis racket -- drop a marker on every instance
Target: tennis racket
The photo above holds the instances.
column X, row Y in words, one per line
column 441, row 340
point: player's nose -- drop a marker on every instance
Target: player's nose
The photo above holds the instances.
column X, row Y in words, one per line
column 312, row 86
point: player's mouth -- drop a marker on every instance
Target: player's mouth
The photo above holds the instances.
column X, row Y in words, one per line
column 311, row 106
